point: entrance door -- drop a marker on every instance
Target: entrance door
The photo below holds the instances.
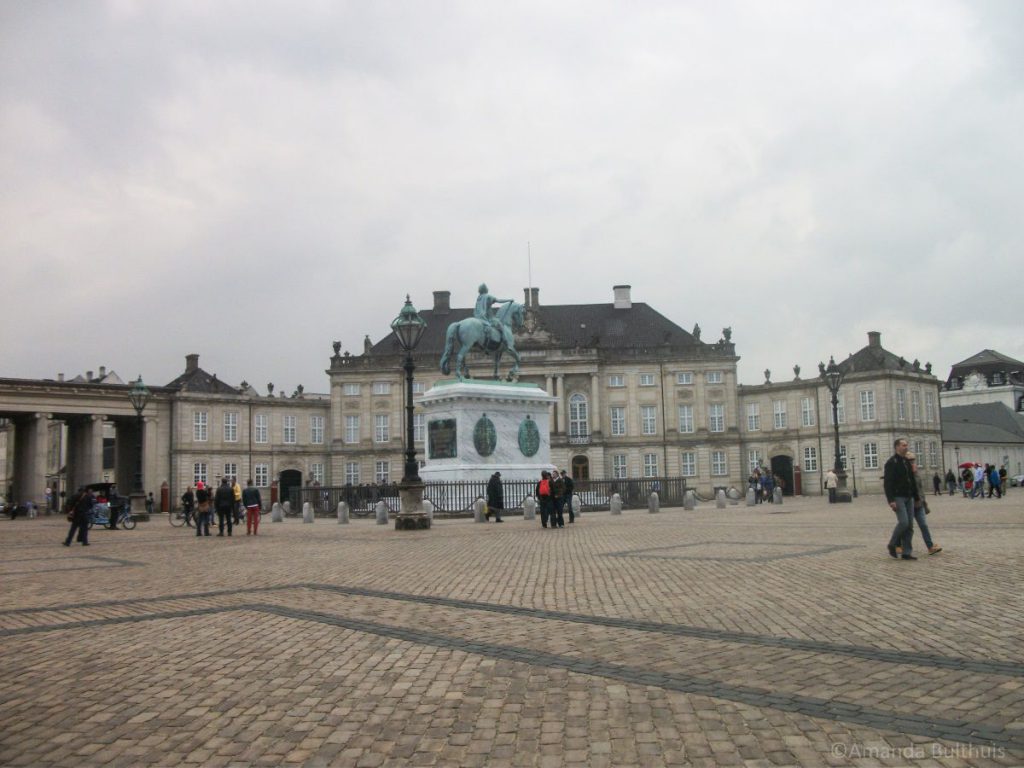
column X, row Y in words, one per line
column 580, row 468
column 290, row 478
column 783, row 467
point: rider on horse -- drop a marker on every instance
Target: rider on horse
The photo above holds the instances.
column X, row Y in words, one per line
column 485, row 310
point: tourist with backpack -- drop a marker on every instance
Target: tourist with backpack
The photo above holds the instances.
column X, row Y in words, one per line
column 543, row 491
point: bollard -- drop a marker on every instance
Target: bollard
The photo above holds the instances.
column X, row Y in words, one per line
column 615, row 504
column 287, row 506
column 529, row 508
column 343, row 512
column 720, row 499
column 307, row 512
column 428, row 509
column 478, row 511
column 653, row 502
column 734, row 497
column 751, row 497
column 777, row 495
column 690, row 500
column 277, row 513
column 382, row 513
column 577, row 504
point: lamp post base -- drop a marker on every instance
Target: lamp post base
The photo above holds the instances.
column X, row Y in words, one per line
column 137, row 500
column 411, row 516
column 843, row 495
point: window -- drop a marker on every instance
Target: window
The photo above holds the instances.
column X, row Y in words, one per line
column 718, row 465
column 842, row 456
column 316, row 430
column 317, row 473
column 383, row 472
column 199, row 423
column 753, row 460
column 351, row 429
column 933, row 454
column 918, row 448
column 870, row 456
column 684, row 377
column 915, row 405
column 714, row 377
column 231, row 427
column 381, row 428
column 350, row 390
column 649, row 419
column 929, row 406
column 867, row 405
column 419, row 427
column 199, row 473
column 901, row 404
column 618, row 421
column 753, row 417
column 230, row 470
column 806, row 412
column 619, row 471
column 810, row 459
column 840, row 410
column 579, row 423
column 688, row 463
column 646, row 379
column 779, row 414
column 418, row 388
column 382, row 387
column 289, row 430
column 261, row 475
column 716, row 418
column 616, row 380
column 650, row 465
column 262, row 429
column 352, row 472
column 686, row 418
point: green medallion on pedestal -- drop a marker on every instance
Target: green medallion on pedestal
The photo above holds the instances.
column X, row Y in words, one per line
column 485, row 436
column 529, row 437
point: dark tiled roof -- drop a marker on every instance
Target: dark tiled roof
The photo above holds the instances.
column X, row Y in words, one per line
column 600, row 326
column 876, row 358
column 198, row 380
column 982, row 423
column 987, row 362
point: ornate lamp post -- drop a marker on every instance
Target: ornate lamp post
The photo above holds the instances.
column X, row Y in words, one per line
column 833, row 377
column 853, row 468
column 408, row 328
column 138, row 396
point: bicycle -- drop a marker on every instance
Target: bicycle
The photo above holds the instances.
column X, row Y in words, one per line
column 101, row 516
column 180, row 517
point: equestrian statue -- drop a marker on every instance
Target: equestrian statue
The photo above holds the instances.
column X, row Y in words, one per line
column 490, row 330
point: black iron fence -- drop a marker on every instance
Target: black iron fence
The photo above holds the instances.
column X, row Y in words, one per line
column 456, row 498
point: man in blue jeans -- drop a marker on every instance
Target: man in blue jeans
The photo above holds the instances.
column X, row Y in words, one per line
column 901, row 493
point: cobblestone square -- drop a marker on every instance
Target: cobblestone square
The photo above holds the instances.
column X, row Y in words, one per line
column 763, row 636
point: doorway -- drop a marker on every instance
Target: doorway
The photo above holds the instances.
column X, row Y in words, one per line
column 290, row 478
column 580, row 468
column 783, row 467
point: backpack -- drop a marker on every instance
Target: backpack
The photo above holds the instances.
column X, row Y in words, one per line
column 544, row 487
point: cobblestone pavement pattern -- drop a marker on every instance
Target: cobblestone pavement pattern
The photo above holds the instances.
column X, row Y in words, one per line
column 765, row 636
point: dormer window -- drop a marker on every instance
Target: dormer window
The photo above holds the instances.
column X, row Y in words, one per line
column 997, row 379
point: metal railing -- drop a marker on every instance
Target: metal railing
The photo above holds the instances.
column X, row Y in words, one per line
column 456, row 498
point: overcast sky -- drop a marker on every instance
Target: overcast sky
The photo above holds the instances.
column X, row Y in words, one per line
column 253, row 180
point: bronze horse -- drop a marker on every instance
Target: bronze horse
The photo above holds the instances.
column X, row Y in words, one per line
column 475, row 333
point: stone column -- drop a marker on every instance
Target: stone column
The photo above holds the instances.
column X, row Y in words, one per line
column 85, row 451
column 549, row 387
column 30, row 459
column 563, row 426
column 595, row 403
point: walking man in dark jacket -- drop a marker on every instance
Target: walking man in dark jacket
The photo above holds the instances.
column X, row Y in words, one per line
column 81, row 506
column 224, row 502
column 901, row 493
column 253, row 503
column 495, row 497
column 202, row 509
column 570, row 487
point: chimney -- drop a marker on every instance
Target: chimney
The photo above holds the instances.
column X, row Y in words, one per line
column 535, row 297
column 191, row 363
column 88, row 375
column 622, row 300
column 526, row 297
column 442, row 302
column 60, row 377
column 103, row 371
column 874, row 339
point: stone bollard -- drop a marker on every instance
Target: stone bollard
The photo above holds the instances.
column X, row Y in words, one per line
column 615, row 504
column 428, row 509
column 777, row 495
column 653, row 502
column 734, row 497
column 343, row 512
column 478, row 511
column 307, row 512
column 577, row 504
column 382, row 513
column 751, row 497
column 720, row 499
column 287, row 506
column 277, row 513
column 690, row 500
column 529, row 508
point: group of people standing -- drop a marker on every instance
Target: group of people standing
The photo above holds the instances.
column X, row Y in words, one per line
column 229, row 501
column 553, row 490
column 764, row 483
column 904, row 491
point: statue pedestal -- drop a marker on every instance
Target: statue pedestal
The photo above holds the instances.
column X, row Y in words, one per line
column 476, row 428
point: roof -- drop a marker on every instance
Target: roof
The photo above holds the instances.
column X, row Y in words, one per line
column 198, row 380
column 987, row 362
column 982, row 423
column 599, row 326
column 874, row 357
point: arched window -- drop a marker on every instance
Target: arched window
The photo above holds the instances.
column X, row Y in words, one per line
column 579, row 421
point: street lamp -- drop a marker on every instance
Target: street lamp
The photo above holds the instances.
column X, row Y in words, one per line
column 833, row 377
column 408, row 328
column 138, row 396
column 853, row 468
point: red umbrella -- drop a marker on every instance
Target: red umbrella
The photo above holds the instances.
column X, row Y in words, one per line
column 967, row 464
